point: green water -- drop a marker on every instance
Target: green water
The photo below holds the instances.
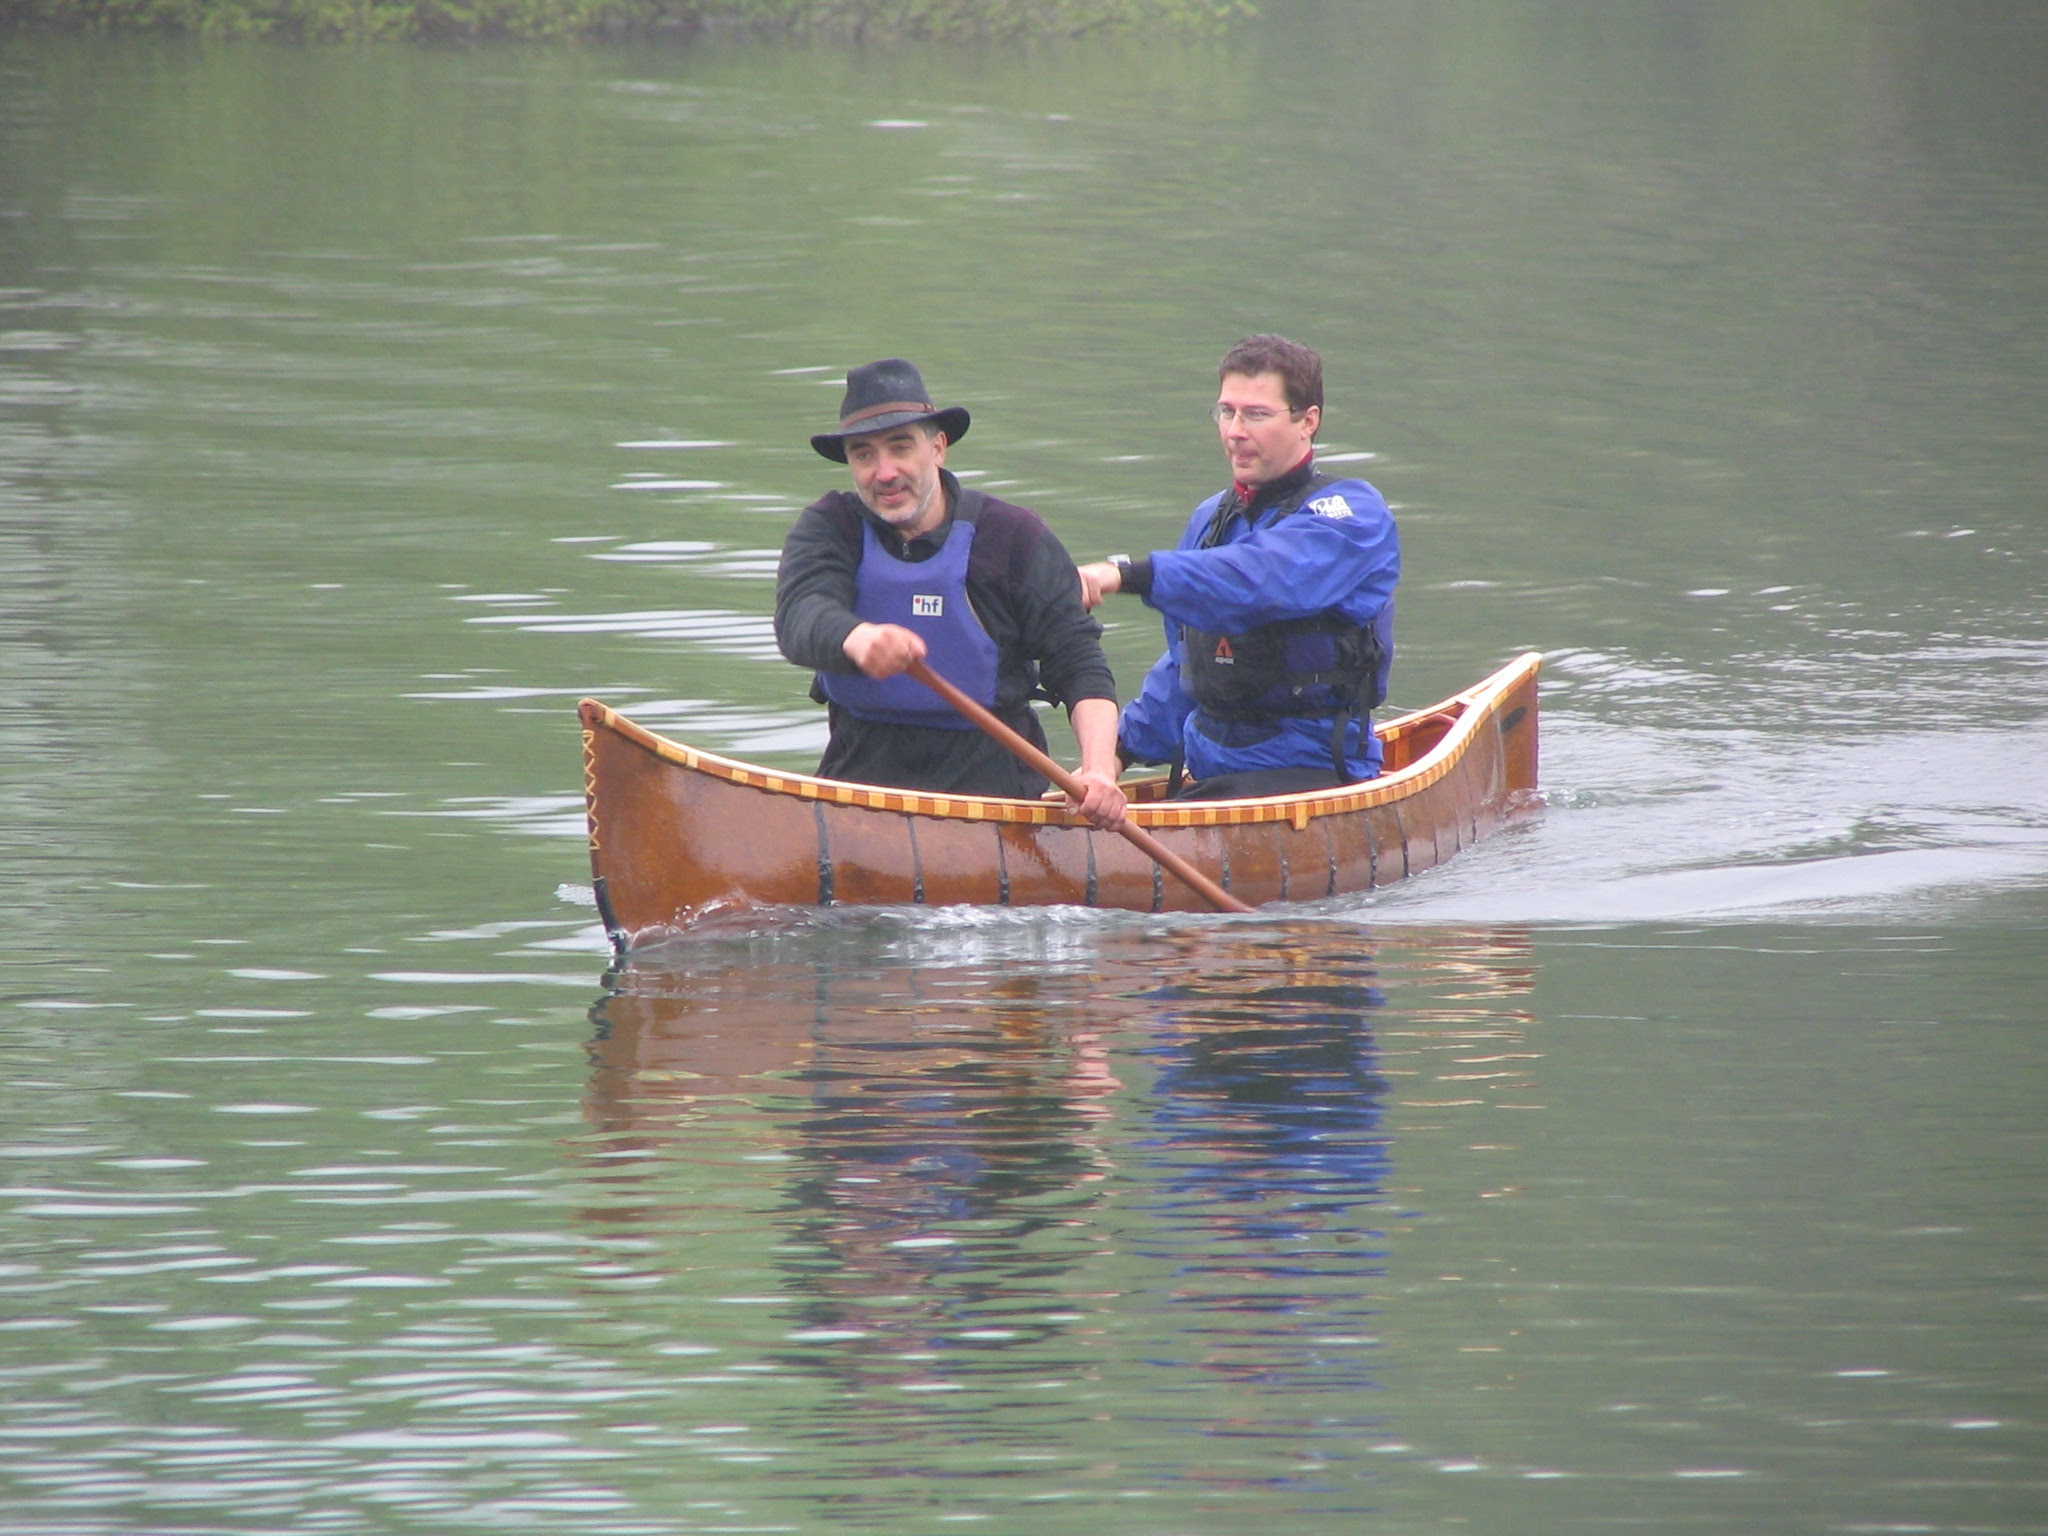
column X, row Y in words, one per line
column 1673, row 1162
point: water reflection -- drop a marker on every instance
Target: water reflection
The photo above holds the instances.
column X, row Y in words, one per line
column 937, row 1125
column 1265, row 1158
column 985, row 1161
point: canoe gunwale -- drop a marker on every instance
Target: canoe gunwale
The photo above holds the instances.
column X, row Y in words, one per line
column 1472, row 709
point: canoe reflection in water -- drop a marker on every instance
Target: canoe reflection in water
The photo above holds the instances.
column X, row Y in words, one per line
column 935, row 1124
column 1267, row 1154
column 995, row 1141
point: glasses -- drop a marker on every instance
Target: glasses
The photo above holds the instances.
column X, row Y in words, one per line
column 1250, row 415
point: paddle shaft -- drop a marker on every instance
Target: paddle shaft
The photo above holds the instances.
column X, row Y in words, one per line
column 1138, row 837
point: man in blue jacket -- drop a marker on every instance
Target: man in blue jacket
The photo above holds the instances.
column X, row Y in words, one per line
column 1279, row 602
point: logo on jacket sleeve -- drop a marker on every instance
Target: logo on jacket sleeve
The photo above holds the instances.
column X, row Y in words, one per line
column 927, row 605
column 1331, row 506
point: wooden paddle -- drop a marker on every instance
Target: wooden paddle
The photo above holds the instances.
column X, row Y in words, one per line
column 1137, row 836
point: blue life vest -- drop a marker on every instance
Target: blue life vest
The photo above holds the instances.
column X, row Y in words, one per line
column 930, row 597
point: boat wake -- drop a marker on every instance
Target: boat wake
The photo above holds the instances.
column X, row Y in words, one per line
column 1661, row 825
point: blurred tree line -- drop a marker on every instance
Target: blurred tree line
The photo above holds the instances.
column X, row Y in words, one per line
column 356, row 20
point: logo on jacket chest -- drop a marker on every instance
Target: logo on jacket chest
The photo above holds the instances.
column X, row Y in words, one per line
column 927, row 605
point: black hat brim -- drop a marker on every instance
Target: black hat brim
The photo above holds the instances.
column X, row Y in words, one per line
column 952, row 421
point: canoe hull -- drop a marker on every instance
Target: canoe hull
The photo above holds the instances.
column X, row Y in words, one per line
column 676, row 833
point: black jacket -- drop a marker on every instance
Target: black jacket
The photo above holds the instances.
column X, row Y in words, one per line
column 1024, row 589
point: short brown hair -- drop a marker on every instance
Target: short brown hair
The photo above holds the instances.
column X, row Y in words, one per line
column 1300, row 368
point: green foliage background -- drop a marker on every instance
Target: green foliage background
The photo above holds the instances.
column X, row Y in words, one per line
column 362, row 20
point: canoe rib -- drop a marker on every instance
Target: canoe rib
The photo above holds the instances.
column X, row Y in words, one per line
column 676, row 832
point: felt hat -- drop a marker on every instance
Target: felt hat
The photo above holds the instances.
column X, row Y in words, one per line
column 881, row 397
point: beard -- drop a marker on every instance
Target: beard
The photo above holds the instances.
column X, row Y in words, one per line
column 923, row 495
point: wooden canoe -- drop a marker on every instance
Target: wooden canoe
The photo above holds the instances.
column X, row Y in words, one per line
column 677, row 834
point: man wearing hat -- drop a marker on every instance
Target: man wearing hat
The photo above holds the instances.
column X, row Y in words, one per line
column 910, row 566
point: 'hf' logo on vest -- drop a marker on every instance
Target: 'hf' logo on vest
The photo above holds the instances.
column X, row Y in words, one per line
column 926, row 606
column 1225, row 656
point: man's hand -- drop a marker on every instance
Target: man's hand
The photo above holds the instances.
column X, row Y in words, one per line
column 1103, row 802
column 1095, row 728
column 1098, row 580
column 882, row 650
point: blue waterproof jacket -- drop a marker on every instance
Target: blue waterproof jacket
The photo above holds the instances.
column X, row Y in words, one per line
column 1339, row 554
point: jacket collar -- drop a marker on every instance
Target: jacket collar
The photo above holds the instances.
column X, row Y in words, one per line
column 1253, row 502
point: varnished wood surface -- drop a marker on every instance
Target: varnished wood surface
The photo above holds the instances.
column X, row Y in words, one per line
column 676, row 832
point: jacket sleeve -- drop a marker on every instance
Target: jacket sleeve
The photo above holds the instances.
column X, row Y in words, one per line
column 1061, row 635
column 1340, row 551
column 816, row 584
